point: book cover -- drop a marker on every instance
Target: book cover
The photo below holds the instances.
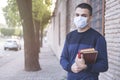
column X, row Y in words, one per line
column 89, row 55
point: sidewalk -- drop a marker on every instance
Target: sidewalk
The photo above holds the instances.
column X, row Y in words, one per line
column 51, row 69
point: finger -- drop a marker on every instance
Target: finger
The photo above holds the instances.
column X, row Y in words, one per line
column 79, row 55
column 76, row 70
column 79, row 69
column 82, row 56
column 76, row 57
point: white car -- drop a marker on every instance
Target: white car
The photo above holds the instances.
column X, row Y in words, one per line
column 12, row 44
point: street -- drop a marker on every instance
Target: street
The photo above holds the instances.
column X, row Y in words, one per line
column 6, row 58
column 7, row 53
column 12, row 66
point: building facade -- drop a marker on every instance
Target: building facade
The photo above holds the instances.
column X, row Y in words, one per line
column 106, row 20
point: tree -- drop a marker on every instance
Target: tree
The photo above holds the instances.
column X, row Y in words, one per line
column 31, row 55
column 41, row 16
column 40, row 10
column 38, row 14
column 44, row 22
column 18, row 32
column 11, row 14
column 7, row 31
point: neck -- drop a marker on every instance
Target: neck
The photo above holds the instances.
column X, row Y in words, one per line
column 84, row 29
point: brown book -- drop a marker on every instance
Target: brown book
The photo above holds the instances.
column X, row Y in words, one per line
column 89, row 55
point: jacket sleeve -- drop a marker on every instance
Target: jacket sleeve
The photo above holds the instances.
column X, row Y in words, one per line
column 64, row 59
column 101, row 64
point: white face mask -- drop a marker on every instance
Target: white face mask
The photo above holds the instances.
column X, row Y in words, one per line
column 80, row 22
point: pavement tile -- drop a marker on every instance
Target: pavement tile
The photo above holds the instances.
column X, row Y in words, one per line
column 51, row 69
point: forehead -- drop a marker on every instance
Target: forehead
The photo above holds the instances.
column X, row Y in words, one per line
column 82, row 11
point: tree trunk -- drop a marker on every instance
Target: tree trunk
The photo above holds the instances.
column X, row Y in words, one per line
column 41, row 36
column 31, row 54
column 37, row 34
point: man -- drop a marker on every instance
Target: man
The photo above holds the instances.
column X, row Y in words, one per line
column 82, row 38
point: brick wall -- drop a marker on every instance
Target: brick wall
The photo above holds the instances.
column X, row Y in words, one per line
column 112, row 34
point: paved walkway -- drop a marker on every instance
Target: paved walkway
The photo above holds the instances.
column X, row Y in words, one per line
column 51, row 69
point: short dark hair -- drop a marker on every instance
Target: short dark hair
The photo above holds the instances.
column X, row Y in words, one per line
column 86, row 6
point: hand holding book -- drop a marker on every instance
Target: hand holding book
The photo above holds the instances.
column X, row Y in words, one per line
column 79, row 63
column 89, row 55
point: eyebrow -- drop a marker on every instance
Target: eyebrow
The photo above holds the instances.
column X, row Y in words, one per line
column 81, row 14
column 84, row 14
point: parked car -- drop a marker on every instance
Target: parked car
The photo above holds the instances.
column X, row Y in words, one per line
column 12, row 44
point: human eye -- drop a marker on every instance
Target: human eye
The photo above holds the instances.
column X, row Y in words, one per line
column 76, row 14
column 84, row 15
